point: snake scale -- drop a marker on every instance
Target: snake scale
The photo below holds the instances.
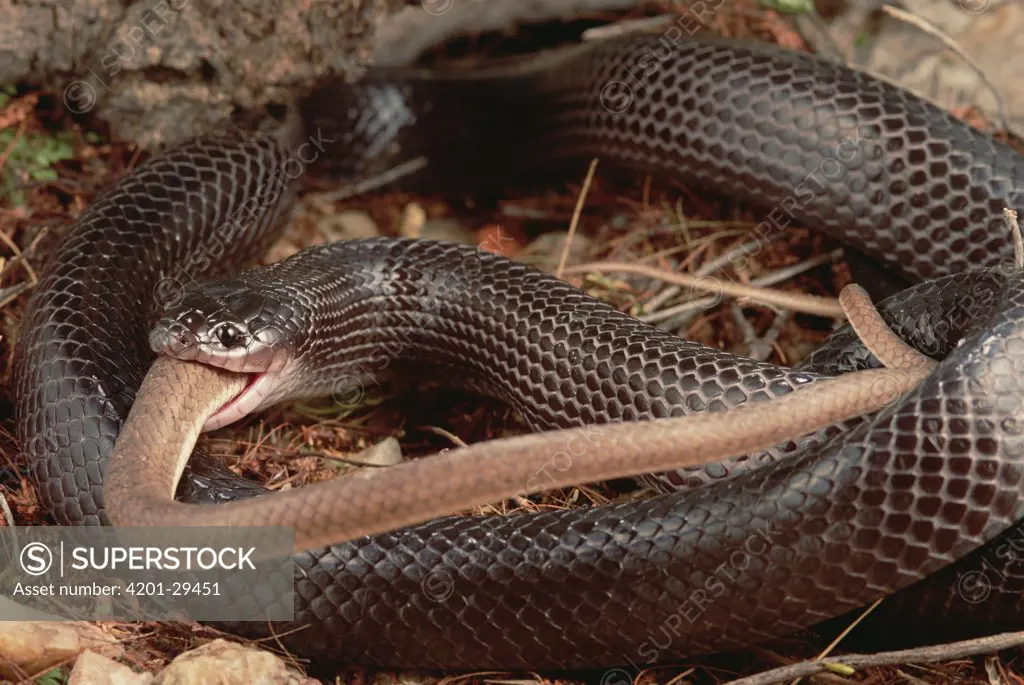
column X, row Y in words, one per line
column 742, row 554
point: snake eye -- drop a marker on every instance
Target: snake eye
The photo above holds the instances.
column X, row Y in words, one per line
column 228, row 335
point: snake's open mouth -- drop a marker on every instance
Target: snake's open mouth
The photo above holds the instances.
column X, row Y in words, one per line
column 244, row 403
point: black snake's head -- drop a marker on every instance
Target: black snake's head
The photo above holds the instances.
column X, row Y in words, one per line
column 227, row 325
column 234, row 327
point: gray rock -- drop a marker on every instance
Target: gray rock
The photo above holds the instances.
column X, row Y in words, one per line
column 347, row 225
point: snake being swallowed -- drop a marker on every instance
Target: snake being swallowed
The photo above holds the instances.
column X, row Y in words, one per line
column 850, row 514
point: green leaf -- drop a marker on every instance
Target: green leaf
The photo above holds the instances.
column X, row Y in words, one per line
column 789, row 6
column 6, row 93
column 32, row 157
column 52, row 677
column 44, row 175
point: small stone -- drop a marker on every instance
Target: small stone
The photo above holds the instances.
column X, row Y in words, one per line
column 546, row 250
column 414, row 220
column 387, row 452
column 96, row 669
column 35, row 646
column 348, row 225
column 226, row 663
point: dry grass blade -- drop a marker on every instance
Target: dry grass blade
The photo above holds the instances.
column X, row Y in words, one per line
column 809, row 304
column 576, row 217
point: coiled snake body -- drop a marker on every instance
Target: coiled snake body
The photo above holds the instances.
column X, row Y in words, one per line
column 768, row 551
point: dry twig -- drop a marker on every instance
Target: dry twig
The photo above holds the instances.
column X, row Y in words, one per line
column 810, row 304
column 846, row 664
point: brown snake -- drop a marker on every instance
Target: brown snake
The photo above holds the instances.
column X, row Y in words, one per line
column 177, row 398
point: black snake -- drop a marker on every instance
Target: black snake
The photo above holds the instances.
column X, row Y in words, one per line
column 762, row 553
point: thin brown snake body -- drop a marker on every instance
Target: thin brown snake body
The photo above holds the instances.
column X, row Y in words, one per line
column 177, row 397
